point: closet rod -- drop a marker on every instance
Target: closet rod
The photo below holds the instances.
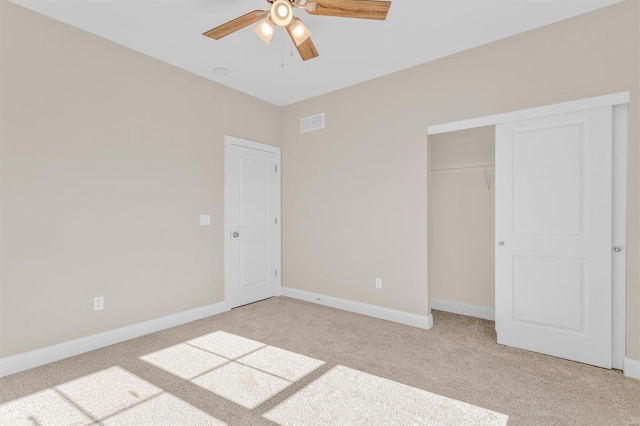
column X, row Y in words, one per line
column 466, row 167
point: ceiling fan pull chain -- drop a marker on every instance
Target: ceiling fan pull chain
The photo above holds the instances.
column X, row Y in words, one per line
column 282, row 38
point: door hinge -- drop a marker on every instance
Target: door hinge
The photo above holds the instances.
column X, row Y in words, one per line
column 276, row 272
column 276, row 168
column 276, row 220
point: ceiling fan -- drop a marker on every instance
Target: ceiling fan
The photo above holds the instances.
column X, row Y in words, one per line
column 281, row 14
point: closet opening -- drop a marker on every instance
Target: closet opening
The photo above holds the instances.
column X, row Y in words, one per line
column 461, row 221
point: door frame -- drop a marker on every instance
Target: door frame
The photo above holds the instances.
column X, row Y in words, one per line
column 230, row 141
column 620, row 104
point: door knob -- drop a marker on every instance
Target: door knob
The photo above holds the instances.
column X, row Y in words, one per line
column 501, row 243
column 235, row 235
column 617, row 249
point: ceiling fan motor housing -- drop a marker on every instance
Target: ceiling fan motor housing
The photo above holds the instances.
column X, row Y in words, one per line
column 281, row 12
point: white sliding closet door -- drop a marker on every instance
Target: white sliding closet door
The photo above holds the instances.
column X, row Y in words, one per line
column 553, row 235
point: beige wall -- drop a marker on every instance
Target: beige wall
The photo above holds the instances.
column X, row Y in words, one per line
column 354, row 194
column 461, row 217
column 108, row 159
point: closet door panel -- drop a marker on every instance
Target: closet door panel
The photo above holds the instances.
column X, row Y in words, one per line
column 553, row 235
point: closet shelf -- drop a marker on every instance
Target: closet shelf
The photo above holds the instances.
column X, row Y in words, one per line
column 464, row 167
column 467, row 167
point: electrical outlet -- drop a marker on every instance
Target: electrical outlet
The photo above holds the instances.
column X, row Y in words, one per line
column 205, row 220
column 98, row 303
column 378, row 282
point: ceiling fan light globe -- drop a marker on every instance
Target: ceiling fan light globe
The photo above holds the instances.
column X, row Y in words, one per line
column 299, row 32
column 265, row 30
column 282, row 12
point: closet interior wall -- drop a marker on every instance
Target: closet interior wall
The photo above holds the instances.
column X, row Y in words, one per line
column 461, row 222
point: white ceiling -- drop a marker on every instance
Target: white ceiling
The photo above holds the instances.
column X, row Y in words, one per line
column 351, row 50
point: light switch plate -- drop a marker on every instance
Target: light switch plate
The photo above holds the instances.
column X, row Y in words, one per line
column 205, row 220
column 98, row 303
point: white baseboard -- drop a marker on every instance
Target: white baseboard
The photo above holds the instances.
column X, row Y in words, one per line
column 463, row 309
column 631, row 368
column 406, row 318
column 38, row 357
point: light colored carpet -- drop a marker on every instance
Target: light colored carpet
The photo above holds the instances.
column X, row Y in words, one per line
column 289, row 362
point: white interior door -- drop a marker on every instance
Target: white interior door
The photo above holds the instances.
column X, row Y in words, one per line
column 553, row 235
column 253, row 240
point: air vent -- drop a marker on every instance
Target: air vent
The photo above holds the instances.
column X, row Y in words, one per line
column 309, row 124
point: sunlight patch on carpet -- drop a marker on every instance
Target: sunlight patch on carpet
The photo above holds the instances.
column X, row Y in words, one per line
column 184, row 361
column 113, row 396
column 226, row 344
column 108, row 391
column 279, row 362
column 47, row 407
column 344, row 396
column 241, row 384
column 238, row 369
column 163, row 410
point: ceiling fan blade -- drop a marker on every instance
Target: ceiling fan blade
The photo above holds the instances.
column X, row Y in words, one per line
column 307, row 49
column 362, row 9
column 237, row 24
